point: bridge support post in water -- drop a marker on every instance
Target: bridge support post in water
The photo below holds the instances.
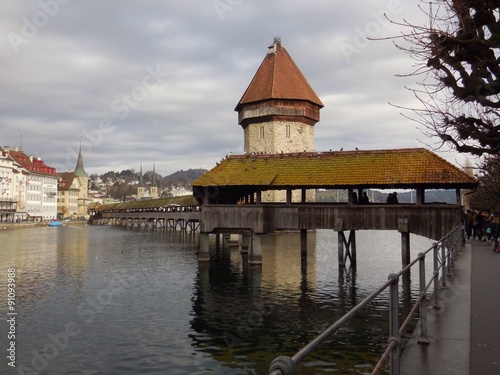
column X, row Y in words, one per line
column 217, row 241
column 405, row 241
column 225, row 240
column 255, row 255
column 303, row 246
column 349, row 246
column 405, row 252
column 245, row 243
column 203, row 248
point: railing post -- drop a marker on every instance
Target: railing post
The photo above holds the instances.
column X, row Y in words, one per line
column 394, row 323
column 449, row 255
column 454, row 252
column 423, row 302
column 443, row 264
column 436, row 275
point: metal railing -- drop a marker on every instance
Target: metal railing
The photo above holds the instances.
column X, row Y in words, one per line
column 444, row 252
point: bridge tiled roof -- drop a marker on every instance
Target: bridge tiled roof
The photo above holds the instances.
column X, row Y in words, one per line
column 395, row 168
column 187, row 200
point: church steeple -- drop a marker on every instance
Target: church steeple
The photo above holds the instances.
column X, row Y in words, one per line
column 141, row 179
column 279, row 108
column 83, row 180
column 140, row 187
column 79, row 170
column 154, row 185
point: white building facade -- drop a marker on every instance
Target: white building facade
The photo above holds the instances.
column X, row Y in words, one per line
column 28, row 190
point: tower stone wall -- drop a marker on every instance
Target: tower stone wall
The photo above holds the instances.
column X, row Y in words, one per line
column 274, row 137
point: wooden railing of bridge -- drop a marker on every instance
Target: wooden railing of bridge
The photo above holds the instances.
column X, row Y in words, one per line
column 429, row 220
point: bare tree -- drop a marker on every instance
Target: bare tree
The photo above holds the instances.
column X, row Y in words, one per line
column 458, row 58
column 487, row 195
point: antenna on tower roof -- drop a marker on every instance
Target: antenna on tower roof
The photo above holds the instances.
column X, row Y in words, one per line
column 273, row 47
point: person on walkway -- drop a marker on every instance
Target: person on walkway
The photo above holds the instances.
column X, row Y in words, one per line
column 354, row 198
column 392, row 198
column 473, row 221
column 489, row 230
column 364, row 198
column 479, row 226
column 395, row 198
column 468, row 223
column 496, row 234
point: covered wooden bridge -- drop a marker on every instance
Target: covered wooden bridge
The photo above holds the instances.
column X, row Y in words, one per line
column 181, row 213
column 235, row 196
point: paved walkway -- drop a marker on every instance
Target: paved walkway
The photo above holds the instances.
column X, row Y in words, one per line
column 464, row 334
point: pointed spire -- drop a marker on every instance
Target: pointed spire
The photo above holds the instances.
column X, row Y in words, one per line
column 141, row 180
column 79, row 170
column 153, row 183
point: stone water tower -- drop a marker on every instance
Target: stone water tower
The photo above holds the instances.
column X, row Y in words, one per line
column 278, row 112
column 279, row 109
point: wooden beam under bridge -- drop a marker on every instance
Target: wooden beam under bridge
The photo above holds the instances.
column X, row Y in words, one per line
column 431, row 221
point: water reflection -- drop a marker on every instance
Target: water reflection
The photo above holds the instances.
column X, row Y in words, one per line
column 250, row 315
column 143, row 304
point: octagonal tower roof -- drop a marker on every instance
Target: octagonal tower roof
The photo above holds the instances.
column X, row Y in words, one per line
column 278, row 77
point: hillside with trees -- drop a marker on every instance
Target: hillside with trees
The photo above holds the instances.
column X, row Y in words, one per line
column 123, row 185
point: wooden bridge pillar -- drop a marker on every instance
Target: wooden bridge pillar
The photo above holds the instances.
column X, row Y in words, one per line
column 405, row 241
column 255, row 255
column 203, row 248
column 303, row 246
column 245, row 243
column 403, row 228
column 225, row 240
column 349, row 246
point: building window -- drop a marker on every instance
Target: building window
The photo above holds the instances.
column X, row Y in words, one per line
column 287, row 131
column 262, row 131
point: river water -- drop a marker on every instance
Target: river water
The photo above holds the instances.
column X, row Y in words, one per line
column 107, row 300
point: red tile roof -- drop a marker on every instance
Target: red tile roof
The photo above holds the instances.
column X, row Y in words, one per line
column 278, row 77
column 31, row 163
column 396, row 168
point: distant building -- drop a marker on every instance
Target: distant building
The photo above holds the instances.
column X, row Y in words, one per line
column 147, row 192
column 12, row 188
column 73, row 199
column 33, row 185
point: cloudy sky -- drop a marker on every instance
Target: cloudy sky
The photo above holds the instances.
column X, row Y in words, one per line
column 158, row 80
